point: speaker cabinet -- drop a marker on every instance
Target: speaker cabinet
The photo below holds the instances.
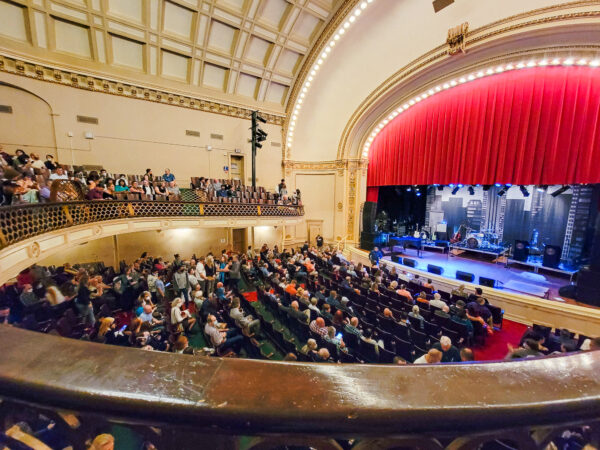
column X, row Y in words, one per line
column 367, row 240
column 396, row 259
column 489, row 282
column 465, row 276
column 409, row 262
column 552, row 254
column 435, row 269
column 521, row 251
column 368, row 218
column 588, row 288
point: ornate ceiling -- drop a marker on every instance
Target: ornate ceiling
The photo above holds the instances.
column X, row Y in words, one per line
column 246, row 52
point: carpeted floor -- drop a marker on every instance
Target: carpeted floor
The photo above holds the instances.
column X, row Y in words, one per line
column 496, row 346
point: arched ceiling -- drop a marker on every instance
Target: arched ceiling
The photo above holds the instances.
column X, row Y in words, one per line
column 246, row 52
column 385, row 38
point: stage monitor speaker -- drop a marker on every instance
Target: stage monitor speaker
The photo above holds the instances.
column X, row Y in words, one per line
column 465, row 276
column 588, row 289
column 409, row 262
column 489, row 282
column 396, row 259
column 552, row 254
column 369, row 215
column 367, row 240
column 521, row 251
column 435, row 269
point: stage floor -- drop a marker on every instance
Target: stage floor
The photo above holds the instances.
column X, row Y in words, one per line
column 483, row 267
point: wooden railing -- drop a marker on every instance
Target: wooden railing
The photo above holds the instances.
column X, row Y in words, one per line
column 18, row 223
column 214, row 402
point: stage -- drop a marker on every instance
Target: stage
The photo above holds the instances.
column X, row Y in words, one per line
column 513, row 279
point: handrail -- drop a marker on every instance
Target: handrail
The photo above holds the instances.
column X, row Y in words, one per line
column 261, row 397
column 21, row 222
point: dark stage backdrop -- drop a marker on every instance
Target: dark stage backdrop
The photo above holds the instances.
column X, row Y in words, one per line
column 402, row 205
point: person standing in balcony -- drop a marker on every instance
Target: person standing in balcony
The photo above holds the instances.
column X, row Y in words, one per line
column 168, row 176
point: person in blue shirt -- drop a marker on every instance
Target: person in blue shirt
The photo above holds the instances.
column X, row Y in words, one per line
column 375, row 255
column 168, row 176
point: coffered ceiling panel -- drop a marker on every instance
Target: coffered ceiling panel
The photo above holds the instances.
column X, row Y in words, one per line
column 245, row 52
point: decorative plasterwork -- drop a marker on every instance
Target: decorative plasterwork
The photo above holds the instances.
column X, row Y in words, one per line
column 571, row 13
column 107, row 86
column 338, row 165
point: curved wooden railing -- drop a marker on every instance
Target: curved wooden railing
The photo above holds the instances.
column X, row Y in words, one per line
column 453, row 405
column 18, row 223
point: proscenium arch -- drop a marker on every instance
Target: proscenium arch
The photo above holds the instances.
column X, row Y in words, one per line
column 570, row 28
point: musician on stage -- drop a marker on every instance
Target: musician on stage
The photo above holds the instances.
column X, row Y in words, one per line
column 375, row 255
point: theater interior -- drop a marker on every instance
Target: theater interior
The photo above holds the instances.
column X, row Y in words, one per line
column 299, row 224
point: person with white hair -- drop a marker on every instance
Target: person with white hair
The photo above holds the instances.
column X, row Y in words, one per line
column 439, row 303
column 449, row 352
column 181, row 316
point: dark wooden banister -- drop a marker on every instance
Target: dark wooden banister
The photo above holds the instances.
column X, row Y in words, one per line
column 260, row 397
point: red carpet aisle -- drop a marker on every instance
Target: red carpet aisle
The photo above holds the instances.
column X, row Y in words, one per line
column 250, row 296
column 496, row 345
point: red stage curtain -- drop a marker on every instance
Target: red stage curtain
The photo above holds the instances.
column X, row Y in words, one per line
column 373, row 194
column 528, row 126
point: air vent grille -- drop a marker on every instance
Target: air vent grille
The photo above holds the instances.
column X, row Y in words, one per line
column 275, row 144
column 6, row 109
column 87, row 119
column 192, row 133
column 218, row 137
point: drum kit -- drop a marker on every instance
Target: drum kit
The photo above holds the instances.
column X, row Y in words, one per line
column 483, row 239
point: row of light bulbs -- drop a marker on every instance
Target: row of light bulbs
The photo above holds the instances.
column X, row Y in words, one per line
column 569, row 61
column 320, row 60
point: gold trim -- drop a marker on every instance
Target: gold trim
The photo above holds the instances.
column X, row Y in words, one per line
column 44, row 72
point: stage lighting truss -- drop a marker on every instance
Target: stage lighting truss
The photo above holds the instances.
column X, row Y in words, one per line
column 524, row 191
column 560, row 190
column 320, row 60
column 520, row 65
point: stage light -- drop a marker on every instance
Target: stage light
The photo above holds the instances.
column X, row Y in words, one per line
column 455, row 190
column 487, row 187
column 418, row 194
column 501, row 192
column 471, row 190
column 408, row 189
column 542, row 188
column 524, row 191
column 451, row 185
column 497, row 185
column 440, row 188
column 460, row 185
column 560, row 190
column 508, row 185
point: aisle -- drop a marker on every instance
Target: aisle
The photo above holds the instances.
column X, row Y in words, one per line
column 496, row 345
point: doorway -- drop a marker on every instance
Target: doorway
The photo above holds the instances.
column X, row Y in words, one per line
column 315, row 227
column 236, row 168
column 239, row 240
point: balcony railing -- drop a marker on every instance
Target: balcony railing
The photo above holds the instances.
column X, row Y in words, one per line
column 205, row 402
column 21, row 222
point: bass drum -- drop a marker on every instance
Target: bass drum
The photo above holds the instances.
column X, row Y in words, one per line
column 473, row 242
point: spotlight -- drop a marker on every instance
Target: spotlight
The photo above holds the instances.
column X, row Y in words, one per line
column 460, row 185
column 455, row 190
column 524, row 191
column 451, row 185
column 560, row 190
column 440, row 188
column 418, row 194
column 497, row 185
column 501, row 192
column 487, row 187
column 471, row 190
column 408, row 189
column 542, row 188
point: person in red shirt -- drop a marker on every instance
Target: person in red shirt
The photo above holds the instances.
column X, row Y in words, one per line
column 291, row 288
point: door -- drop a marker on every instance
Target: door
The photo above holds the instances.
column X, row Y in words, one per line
column 315, row 227
column 239, row 240
column 236, row 169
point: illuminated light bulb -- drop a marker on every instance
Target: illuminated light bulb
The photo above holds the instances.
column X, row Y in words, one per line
column 582, row 62
column 405, row 106
column 471, row 77
column 336, row 37
column 385, row 121
column 489, row 71
column 390, row 117
column 438, row 88
column 543, row 62
column 499, row 69
column 327, row 49
column 568, row 62
column 430, row 92
column 342, row 31
column 462, row 80
column 445, row 86
column 424, row 95
column 313, row 72
column 418, row 98
column 556, row 61
column 310, row 78
column 531, row 64
column 304, row 89
column 346, row 25
column 453, row 83
column 291, row 133
column 332, row 44
column 363, row 5
column 412, row 102
column 395, row 113
column 357, row 12
column 480, row 74
column 595, row 63
column 399, row 110
column 509, row 67
column 302, row 95
column 369, row 1
column 307, row 84
column 352, row 19
column 300, row 101
column 320, row 61
column 520, row 65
